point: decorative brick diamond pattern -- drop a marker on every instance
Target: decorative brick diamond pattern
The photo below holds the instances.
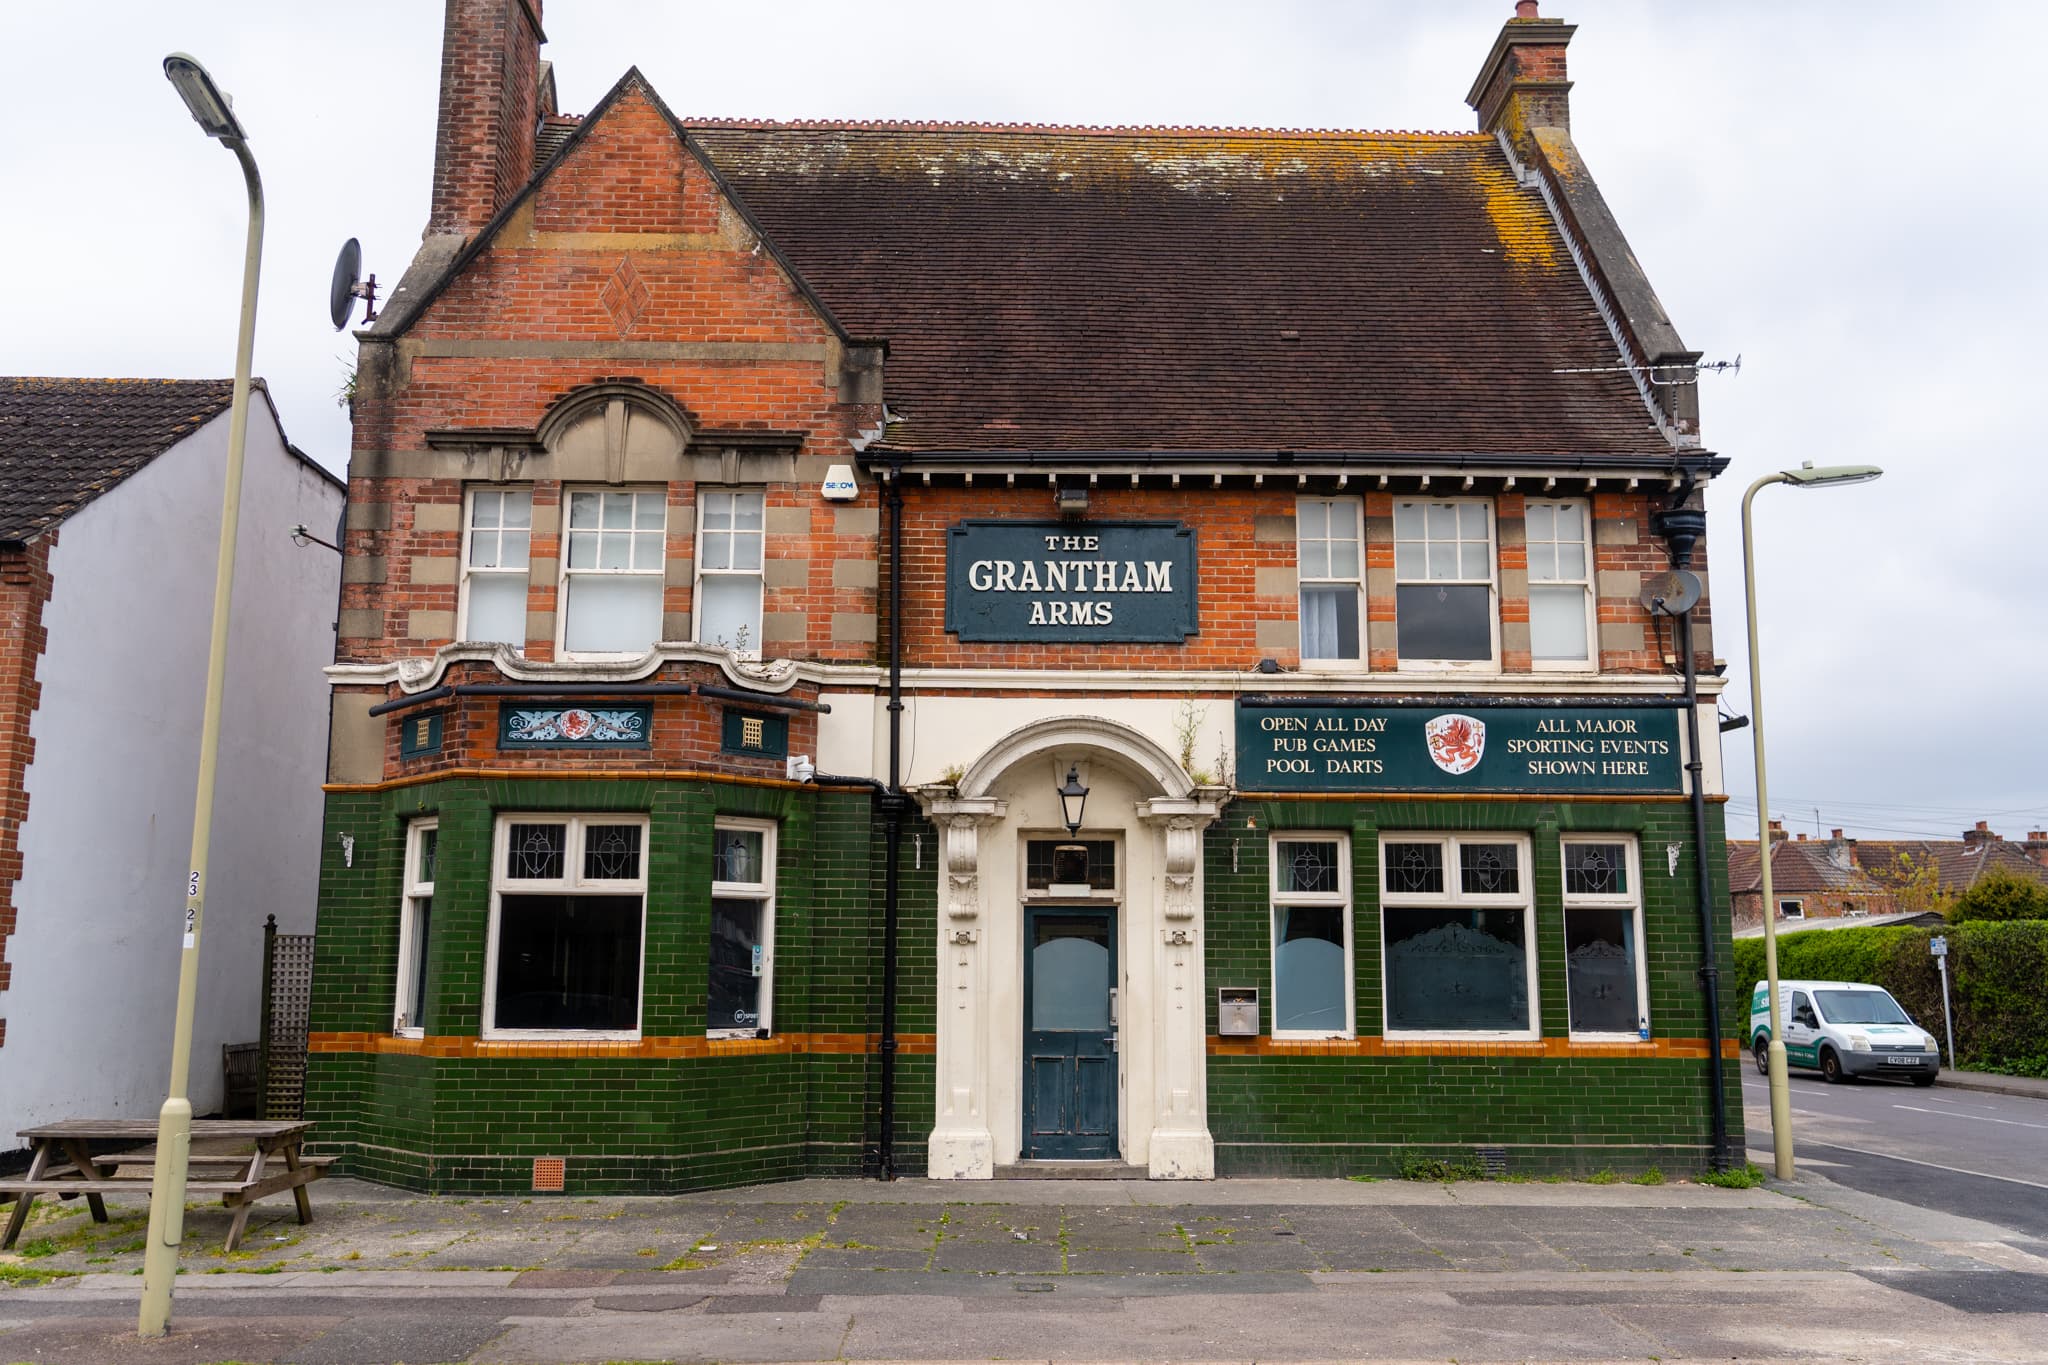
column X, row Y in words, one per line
column 624, row 295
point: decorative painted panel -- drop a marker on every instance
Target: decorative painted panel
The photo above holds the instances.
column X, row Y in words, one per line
column 575, row 727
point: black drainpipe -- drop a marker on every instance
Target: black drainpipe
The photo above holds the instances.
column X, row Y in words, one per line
column 1681, row 528
column 892, row 802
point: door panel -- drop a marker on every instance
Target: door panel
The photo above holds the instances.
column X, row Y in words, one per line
column 1070, row 1063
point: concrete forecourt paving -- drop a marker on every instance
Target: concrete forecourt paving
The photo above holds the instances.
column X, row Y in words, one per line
column 1052, row 1270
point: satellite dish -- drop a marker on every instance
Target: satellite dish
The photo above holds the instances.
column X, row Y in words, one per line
column 1671, row 594
column 348, row 285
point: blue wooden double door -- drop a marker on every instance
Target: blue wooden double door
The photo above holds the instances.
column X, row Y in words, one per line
column 1070, row 1043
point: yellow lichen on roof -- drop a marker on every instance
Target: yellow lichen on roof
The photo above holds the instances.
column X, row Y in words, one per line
column 1518, row 216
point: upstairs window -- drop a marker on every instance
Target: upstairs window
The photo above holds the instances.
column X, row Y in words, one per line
column 731, row 544
column 611, row 571
column 1560, row 585
column 1444, row 583
column 1330, row 563
column 497, row 537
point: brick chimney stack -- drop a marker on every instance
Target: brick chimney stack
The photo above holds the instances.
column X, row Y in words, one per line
column 1777, row 831
column 490, row 106
column 1522, row 83
column 1980, row 835
column 2037, row 846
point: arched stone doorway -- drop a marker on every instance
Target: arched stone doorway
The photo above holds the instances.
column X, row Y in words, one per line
column 1145, row 816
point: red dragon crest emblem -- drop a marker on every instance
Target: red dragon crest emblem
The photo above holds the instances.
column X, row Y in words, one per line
column 1456, row 743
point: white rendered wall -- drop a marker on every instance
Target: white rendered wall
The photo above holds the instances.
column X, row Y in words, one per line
column 109, row 828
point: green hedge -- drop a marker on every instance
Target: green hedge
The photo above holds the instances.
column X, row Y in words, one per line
column 1998, row 981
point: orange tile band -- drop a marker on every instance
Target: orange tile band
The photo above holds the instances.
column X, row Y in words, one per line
column 925, row 1044
column 1535, row 1047
column 388, row 1045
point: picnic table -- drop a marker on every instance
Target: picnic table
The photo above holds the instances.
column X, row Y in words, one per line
column 64, row 1163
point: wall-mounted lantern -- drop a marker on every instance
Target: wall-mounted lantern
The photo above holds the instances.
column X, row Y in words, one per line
column 1073, row 799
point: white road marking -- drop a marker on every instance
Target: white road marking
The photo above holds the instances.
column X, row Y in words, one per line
column 1981, row 1118
column 1937, row 1166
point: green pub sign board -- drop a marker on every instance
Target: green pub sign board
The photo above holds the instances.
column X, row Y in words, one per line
column 1108, row 582
column 1483, row 749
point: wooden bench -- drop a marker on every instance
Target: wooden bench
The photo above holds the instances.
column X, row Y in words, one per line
column 63, row 1164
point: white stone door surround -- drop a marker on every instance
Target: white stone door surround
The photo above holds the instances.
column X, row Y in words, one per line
column 1140, row 796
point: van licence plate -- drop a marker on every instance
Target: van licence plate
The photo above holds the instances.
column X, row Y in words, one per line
column 1896, row 1060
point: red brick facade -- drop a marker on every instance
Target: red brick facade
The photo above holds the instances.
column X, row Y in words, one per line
column 24, row 592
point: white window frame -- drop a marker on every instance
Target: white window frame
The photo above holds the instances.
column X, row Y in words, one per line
column 470, row 573
column 1588, row 583
column 565, row 576
column 753, row 649
column 1278, row 897
column 414, row 888
column 1491, row 583
column 1355, row 507
column 1797, row 910
column 763, row 893
column 1454, row 895
column 1632, row 901
column 572, row 883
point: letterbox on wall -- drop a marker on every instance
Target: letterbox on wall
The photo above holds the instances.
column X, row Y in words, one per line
column 1237, row 1011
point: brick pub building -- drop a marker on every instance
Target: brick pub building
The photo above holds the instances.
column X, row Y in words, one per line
column 762, row 536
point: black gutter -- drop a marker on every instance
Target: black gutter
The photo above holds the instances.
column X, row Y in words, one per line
column 767, row 699
column 545, row 691
column 1681, row 528
column 1262, row 461
column 1266, row 702
column 892, row 802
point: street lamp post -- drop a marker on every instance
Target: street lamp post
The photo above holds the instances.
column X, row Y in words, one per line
column 1806, row 476
column 210, row 109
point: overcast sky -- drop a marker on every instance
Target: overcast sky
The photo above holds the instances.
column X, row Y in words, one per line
column 1848, row 196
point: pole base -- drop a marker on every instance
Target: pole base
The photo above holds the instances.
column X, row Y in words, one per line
column 166, row 1216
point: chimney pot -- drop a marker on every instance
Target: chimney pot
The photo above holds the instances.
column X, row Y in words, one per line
column 1525, row 9
column 1834, row 834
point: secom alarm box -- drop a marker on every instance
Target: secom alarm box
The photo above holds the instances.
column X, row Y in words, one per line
column 1237, row 1011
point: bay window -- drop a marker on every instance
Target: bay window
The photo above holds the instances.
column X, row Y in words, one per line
column 1457, row 951
column 1603, row 936
column 568, row 896
column 1311, row 903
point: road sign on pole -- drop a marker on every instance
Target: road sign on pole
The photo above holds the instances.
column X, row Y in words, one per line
column 1938, row 946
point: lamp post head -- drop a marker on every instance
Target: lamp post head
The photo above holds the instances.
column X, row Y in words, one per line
column 1073, row 799
column 1828, row 476
column 211, row 109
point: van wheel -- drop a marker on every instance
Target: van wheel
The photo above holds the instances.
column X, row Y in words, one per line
column 1762, row 1049
column 1831, row 1067
column 1924, row 1080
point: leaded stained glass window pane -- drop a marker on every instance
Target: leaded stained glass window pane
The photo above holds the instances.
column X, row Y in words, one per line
column 1415, row 869
column 429, row 846
column 1307, row 865
column 1489, row 869
column 536, row 852
column 611, row 853
column 1595, row 869
column 737, row 855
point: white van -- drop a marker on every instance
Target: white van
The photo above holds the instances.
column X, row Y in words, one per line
column 1843, row 1029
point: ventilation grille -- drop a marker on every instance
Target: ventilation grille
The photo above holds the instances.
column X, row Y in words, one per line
column 1492, row 1160
column 549, row 1174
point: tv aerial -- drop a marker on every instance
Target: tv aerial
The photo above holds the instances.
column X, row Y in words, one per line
column 1671, row 594
column 349, row 285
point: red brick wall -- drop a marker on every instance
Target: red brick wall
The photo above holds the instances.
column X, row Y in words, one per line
column 24, row 591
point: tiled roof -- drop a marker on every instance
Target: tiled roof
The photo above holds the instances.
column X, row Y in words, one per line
column 1069, row 289
column 63, row 442
column 1960, row 864
column 1798, row 866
